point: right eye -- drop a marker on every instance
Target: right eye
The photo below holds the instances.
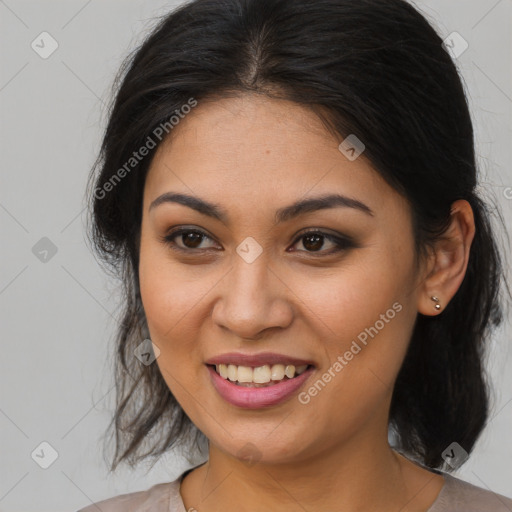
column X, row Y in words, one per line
column 190, row 239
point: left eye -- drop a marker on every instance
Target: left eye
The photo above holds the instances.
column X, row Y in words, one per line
column 312, row 241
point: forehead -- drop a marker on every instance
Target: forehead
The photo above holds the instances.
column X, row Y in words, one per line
column 250, row 148
column 251, row 125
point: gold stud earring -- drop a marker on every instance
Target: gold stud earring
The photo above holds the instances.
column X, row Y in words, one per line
column 435, row 299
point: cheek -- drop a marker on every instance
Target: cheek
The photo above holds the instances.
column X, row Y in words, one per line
column 362, row 363
column 170, row 302
column 352, row 298
column 365, row 315
column 168, row 294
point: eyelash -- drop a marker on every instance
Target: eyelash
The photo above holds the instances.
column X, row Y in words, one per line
column 342, row 243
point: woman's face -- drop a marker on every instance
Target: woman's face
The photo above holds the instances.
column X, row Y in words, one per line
column 255, row 282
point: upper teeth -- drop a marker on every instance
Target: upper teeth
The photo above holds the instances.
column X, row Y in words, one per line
column 260, row 374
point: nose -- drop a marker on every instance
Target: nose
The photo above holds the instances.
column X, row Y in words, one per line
column 252, row 299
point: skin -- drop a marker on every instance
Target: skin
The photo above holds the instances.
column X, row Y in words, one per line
column 252, row 155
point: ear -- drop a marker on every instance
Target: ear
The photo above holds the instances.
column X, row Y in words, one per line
column 448, row 261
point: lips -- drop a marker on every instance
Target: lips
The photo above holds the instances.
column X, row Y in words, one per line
column 255, row 396
column 258, row 397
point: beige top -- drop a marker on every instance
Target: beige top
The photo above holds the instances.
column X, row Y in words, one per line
column 456, row 496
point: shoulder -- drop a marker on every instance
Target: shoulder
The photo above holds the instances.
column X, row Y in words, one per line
column 162, row 497
column 460, row 496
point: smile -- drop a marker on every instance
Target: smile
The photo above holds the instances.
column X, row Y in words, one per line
column 258, row 395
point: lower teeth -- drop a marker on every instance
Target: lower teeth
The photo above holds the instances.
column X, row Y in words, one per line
column 256, row 385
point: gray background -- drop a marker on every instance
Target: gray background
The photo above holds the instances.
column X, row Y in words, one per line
column 58, row 315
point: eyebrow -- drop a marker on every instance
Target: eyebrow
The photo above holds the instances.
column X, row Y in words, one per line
column 282, row 215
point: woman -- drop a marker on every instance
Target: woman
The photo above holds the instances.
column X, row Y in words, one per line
column 287, row 190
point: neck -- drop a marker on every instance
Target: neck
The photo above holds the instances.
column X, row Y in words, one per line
column 337, row 479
